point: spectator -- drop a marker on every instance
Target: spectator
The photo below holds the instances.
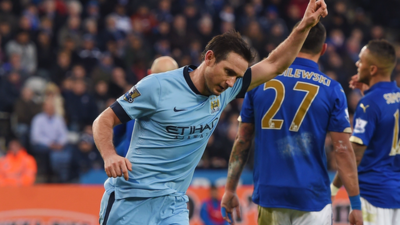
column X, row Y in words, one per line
column 71, row 30
column 86, row 157
column 210, row 212
column 17, row 168
column 52, row 93
column 25, row 109
column 89, row 54
column 26, row 49
column 45, row 53
column 10, row 89
column 80, row 99
column 49, row 140
column 60, row 70
column 6, row 14
column 118, row 84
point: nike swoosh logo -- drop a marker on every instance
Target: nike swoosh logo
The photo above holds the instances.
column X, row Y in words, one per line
column 178, row 110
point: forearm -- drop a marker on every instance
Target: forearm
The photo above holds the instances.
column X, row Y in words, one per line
column 347, row 170
column 237, row 161
column 102, row 134
column 283, row 56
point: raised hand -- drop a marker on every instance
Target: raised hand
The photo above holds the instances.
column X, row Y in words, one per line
column 355, row 84
column 315, row 10
column 116, row 166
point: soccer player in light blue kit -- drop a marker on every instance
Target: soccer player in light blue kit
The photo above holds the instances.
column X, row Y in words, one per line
column 289, row 116
column 160, row 65
column 375, row 137
column 176, row 113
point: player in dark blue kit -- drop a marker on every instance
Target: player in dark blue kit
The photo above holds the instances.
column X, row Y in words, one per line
column 375, row 137
column 289, row 117
column 175, row 114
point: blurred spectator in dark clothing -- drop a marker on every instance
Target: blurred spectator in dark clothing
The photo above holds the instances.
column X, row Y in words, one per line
column 163, row 12
column 118, row 84
column 256, row 36
column 70, row 46
column 377, row 32
column 26, row 49
column 179, row 33
column 136, row 52
column 122, row 21
column 10, row 88
column 101, row 95
column 80, row 99
column 85, row 154
column 115, row 53
column 294, row 14
column 146, row 20
column 5, row 33
column 31, row 13
column 45, row 52
column 92, row 10
column 89, row 54
column 103, row 69
column 90, row 27
column 205, row 32
column 17, row 168
column 162, row 31
column 25, row 25
column 191, row 13
column 60, row 70
column 249, row 14
column 48, row 9
column 71, row 30
column 25, row 109
column 6, row 14
column 49, row 139
column 111, row 32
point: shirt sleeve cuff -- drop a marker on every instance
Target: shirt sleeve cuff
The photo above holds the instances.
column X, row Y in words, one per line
column 347, row 130
column 246, row 83
column 356, row 140
column 120, row 112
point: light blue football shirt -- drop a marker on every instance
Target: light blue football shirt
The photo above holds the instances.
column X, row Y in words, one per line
column 173, row 125
column 292, row 115
column 376, row 125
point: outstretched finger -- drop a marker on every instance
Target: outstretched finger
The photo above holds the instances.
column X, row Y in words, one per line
column 124, row 170
column 128, row 164
column 238, row 212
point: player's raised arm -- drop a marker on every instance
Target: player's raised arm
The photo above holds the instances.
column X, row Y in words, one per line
column 114, row 164
column 283, row 56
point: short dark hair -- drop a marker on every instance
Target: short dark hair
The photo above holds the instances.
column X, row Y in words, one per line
column 315, row 39
column 230, row 41
column 383, row 50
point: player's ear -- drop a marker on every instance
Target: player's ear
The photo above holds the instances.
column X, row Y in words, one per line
column 323, row 50
column 209, row 58
column 373, row 70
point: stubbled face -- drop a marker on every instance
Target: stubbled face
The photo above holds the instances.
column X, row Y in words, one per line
column 222, row 75
column 363, row 66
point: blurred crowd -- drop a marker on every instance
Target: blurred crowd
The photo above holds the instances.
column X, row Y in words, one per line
column 63, row 62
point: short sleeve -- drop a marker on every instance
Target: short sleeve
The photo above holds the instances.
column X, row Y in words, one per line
column 141, row 100
column 365, row 119
column 247, row 112
column 239, row 88
column 339, row 118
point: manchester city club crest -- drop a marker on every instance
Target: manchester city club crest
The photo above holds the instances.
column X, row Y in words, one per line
column 215, row 105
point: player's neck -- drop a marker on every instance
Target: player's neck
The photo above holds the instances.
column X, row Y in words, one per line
column 377, row 79
column 197, row 77
column 314, row 58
